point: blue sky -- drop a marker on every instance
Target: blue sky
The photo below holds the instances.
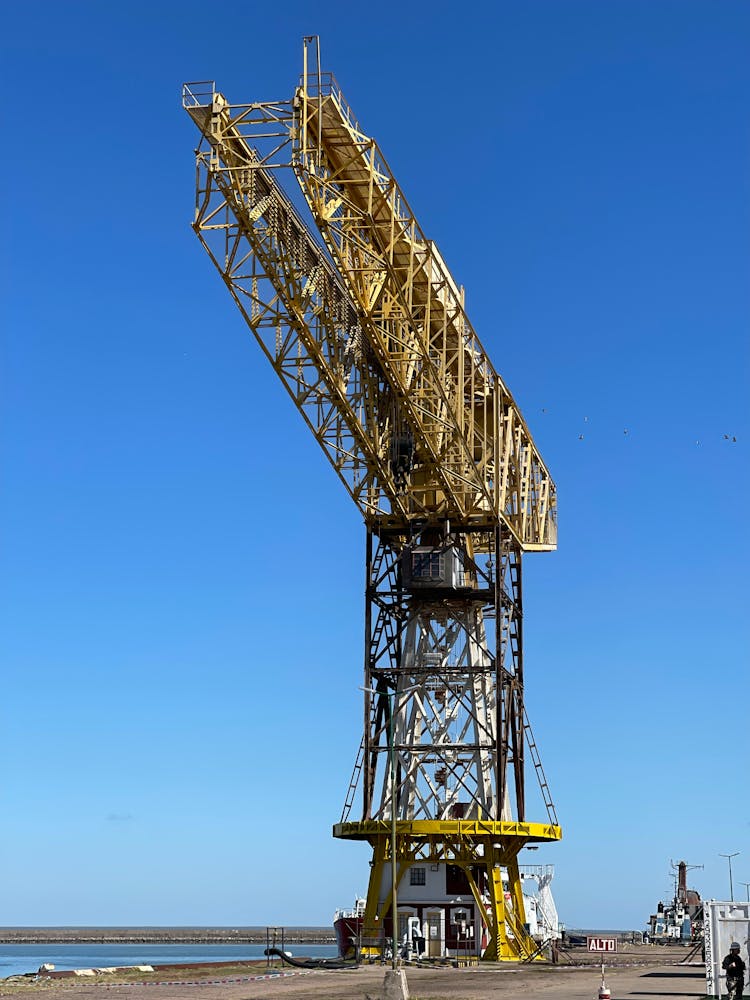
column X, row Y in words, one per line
column 182, row 572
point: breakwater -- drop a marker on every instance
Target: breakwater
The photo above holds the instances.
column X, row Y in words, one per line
column 165, row 935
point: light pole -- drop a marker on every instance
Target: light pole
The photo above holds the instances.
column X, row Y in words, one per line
column 747, row 889
column 392, row 695
column 729, row 859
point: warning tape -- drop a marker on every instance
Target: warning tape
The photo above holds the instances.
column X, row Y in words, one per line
column 622, row 965
column 209, row 982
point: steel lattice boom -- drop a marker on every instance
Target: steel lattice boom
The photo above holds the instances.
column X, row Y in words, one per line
column 431, row 430
column 367, row 331
column 473, row 458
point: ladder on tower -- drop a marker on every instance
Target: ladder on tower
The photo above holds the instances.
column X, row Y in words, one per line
column 353, row 782
column 383, row 621
column 358, row 765
column 383, row 624
column 541, row 776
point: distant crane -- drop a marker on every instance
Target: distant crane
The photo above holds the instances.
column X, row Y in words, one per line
column 369, row 335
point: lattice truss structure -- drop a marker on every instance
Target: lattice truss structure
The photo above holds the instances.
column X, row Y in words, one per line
column 444, row 693
column 377, row 351
column 369, row 335
column 444, row 679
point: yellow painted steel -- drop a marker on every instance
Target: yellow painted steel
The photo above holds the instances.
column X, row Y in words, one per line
column 371, row 343
column 472, row 845
column 454, row 828
column 477, row 460
column 292, row 298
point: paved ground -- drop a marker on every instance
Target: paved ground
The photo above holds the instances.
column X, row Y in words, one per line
column 483, row 983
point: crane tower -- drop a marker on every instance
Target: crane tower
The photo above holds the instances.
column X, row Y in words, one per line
column 366, row 328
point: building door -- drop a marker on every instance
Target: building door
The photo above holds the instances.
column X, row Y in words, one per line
column 434, row 932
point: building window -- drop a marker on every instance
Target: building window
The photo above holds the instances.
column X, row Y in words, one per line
column 417, row 876
column 456, row 882
column 428, row 565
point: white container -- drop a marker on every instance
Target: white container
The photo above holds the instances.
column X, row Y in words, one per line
column 723, row 923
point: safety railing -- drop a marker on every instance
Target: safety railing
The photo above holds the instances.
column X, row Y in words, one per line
column 198, row 93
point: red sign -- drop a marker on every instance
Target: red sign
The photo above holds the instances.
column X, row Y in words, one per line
column 601, row 944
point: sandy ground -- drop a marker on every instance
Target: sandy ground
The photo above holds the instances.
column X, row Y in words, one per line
column 366, row 983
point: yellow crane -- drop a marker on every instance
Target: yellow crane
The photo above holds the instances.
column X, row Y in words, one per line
column 369, row 335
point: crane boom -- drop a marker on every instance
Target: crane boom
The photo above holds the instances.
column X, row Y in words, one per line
column 373, row 342
column 293, row 301
column 474, row 457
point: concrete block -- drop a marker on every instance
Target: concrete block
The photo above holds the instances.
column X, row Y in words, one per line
column 395, row 986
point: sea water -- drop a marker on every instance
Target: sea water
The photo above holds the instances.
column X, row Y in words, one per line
column 16, row 959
